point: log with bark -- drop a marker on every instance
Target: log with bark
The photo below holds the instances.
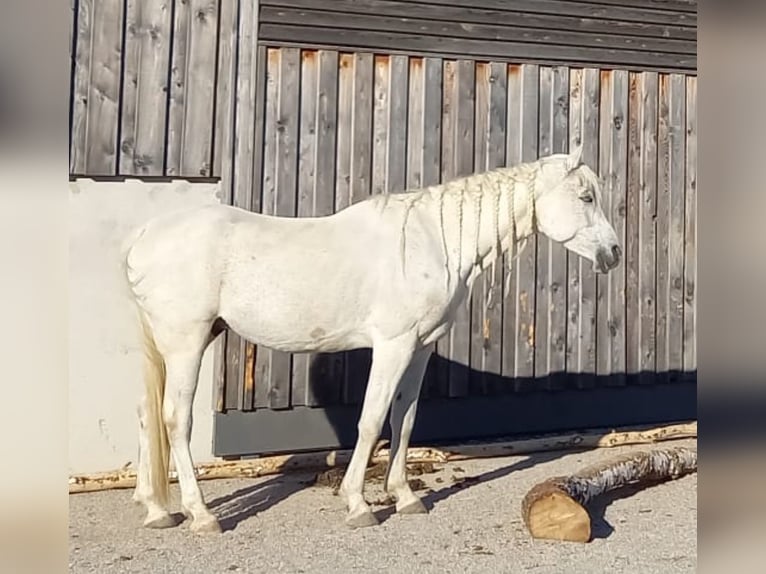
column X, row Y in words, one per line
column 595, row 438
column 555, row 509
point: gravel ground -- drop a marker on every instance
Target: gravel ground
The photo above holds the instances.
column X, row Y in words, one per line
column 287, row 524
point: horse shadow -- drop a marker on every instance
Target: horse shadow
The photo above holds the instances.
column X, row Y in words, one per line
column 338, row 381
column 245, row 503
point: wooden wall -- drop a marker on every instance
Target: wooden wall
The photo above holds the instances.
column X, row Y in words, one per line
column 638, row 34
column 339, row 126
column 303, row 108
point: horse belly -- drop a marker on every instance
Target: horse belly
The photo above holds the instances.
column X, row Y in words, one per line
column 272, row 307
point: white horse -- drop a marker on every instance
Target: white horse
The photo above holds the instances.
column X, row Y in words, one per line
column 388, row 273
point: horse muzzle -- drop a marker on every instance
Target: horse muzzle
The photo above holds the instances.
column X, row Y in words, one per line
column 608, row 259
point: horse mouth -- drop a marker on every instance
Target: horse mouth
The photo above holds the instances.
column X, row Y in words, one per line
column 607, row 260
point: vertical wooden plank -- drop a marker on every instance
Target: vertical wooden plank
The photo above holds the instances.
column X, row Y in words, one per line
column 581, row 303
column 617, row 191
column 439, row 385
column 345, row 127
column 690, row 243
column 647, row 229
column 307, row 173
column 632, row 236
column 603, row 338
column 415, row 125
column 431, row 105
column 487, row 322
column 225, row 97
column 284, row 202
column 670, row 225
column 460, row 335
column 396, row 154
column 179, row 59
column 145, row 88
column 550, row 325
column 268, row 192
column 481, row 135
column 192, row 89
column 380, row 123
column 361, row 148
column 238, row 177
column 358, row 362
column 519, row 308
column 677, row 189
column 96, row 99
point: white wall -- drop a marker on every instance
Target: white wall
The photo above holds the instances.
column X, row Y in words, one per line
column 104, row 353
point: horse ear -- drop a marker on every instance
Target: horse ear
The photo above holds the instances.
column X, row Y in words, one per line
column 575, row 158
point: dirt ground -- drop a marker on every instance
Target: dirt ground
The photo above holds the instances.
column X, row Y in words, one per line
column 291, row 524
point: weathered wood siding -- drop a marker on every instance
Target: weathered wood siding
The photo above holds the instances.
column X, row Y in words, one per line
column 302, row 108
column 340, row 126
column 642, row 34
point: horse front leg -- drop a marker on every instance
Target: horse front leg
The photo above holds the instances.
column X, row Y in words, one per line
column 389, row 362
column 403, row 412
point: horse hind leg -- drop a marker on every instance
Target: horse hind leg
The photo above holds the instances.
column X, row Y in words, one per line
column 389, row 362
column 182, row 377
column 403, row 410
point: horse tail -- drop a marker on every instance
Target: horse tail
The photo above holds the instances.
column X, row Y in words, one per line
column 154, row 375
column 159, row 445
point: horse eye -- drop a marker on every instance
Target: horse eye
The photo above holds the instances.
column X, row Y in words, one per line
column 587, row 198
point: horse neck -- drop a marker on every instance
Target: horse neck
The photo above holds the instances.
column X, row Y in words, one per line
column 483, row 216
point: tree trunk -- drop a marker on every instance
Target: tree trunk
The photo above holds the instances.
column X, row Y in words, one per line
column 555, row 508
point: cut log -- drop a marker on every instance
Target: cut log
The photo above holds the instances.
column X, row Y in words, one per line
column 596, row 438
column 555, row 509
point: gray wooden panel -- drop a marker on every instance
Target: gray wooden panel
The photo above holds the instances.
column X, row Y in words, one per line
column 500, row 50
column 192, row 89
column 489, row 153
column 463, row 144
column 592, row 9
column 469, row 15
column 449, row 102
column 284, row 202
column 357, row 363
column 551, row 323
column 677, row 189
column 474, row 14
column 497, row 31
column 690, row 239
column 380, row 127
column 667, row 188
column 145, row 88
column 606, row 107
column 307, row 172
column 396, row 154
column 415, row 124
column 315, row 377
column 581, row 296
column 617, row 178
column 648, row 229
column 268, row 193
column 344, row 131
column 519, row 307
column 431, row 168
column 632, row 230
column 96, row 88
column 226, row 93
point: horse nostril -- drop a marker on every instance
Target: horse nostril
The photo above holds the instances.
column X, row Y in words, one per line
column 616, row 251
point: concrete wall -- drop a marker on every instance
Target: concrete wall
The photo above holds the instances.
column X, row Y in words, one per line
column 104, row 354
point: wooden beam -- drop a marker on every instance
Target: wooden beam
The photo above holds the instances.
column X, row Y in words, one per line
column 126, row 477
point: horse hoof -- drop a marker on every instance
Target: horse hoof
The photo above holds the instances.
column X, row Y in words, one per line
column 363, row 519
column 414, row 507
column 208, row 524
column 161, row 521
